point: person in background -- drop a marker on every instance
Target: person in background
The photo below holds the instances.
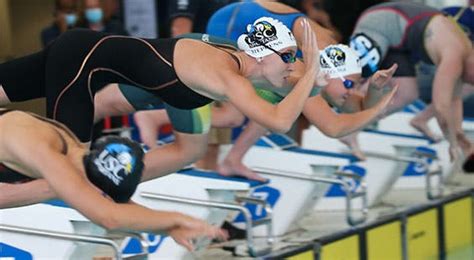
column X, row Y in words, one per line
column 315, row 10
column 406, row 33
column 65, row 17
column 98, row 15
column 111, row 10
column 464, row 17
column 192, row 15
column 346, row 13
column 97, row 18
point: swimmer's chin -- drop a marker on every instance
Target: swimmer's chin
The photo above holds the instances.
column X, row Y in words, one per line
column 285, row 82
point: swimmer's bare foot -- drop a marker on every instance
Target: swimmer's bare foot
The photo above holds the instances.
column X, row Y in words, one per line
column 147, row 127
column 422, row 127
column 228, row 168
column 358, row 153
column 353, row 144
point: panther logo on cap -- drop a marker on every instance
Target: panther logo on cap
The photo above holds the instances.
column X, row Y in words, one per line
column 115, row 161
column 262, row 32
column 335, row 55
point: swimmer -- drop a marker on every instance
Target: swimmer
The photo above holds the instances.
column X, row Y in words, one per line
column 33, row 147
column 185, row 74
column 404, row 33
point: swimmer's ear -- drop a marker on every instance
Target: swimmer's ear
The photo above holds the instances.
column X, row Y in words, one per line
column 322, row 79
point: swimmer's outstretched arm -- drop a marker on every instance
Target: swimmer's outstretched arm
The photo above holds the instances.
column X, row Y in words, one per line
column 46, row 160
column 23, row 194
column 380, row 84
column 336, row 125
column 319, row 113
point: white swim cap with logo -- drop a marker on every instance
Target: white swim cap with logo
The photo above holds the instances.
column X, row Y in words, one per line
column 268, row 31
column 339, row 60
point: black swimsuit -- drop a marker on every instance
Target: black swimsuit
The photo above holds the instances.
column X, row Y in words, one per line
column 79, row 63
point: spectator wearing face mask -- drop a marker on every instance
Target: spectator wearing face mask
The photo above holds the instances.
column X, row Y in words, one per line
column 94, row 18
column 65, row 17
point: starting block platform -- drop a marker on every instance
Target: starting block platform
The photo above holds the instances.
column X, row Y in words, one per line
column 409, row 229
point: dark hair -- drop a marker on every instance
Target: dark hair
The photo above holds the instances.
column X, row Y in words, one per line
column 58, row 5
column 297, row 4
column 468, row 165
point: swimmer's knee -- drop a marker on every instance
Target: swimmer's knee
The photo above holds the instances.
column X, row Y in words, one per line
column 191, row 146
column 236, row 121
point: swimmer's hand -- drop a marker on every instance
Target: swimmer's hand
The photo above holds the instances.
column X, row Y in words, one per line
column 189, row 229
column 382, row 78
column 310, row 49
column 383, row 104
column 351, row 141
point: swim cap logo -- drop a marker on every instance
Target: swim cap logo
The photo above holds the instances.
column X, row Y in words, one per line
column 115, row 162
column 369, row 53
column 335, row 55
column 262, row 32
column 205, row 37
column 263, row 35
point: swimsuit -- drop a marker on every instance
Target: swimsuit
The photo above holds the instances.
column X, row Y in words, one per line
column 397, row 31
column 81, row 62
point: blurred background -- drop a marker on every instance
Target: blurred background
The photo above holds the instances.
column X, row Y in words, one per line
column 27, row 26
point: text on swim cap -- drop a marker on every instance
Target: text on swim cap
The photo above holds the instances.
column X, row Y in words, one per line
column 111, row 166
column 262, row 32
column 368, row 53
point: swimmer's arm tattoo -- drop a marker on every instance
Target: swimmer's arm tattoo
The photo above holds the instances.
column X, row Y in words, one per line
column 428, row 34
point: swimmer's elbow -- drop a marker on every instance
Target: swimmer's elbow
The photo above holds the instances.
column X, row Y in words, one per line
column 333, row 130
column 332, row 133
column 236, row 121
column 281, row 126
column 108, row 218
column 110, row 223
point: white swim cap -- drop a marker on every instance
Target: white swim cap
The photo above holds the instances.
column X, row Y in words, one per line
column 266, row 31
column 339, row 60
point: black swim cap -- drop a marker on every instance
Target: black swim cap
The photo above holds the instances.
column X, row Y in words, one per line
column 115, row 166
column 468, row 165
column 369, row 52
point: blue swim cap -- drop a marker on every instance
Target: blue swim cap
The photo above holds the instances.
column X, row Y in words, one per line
column 464, row 16
column 115, row 166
